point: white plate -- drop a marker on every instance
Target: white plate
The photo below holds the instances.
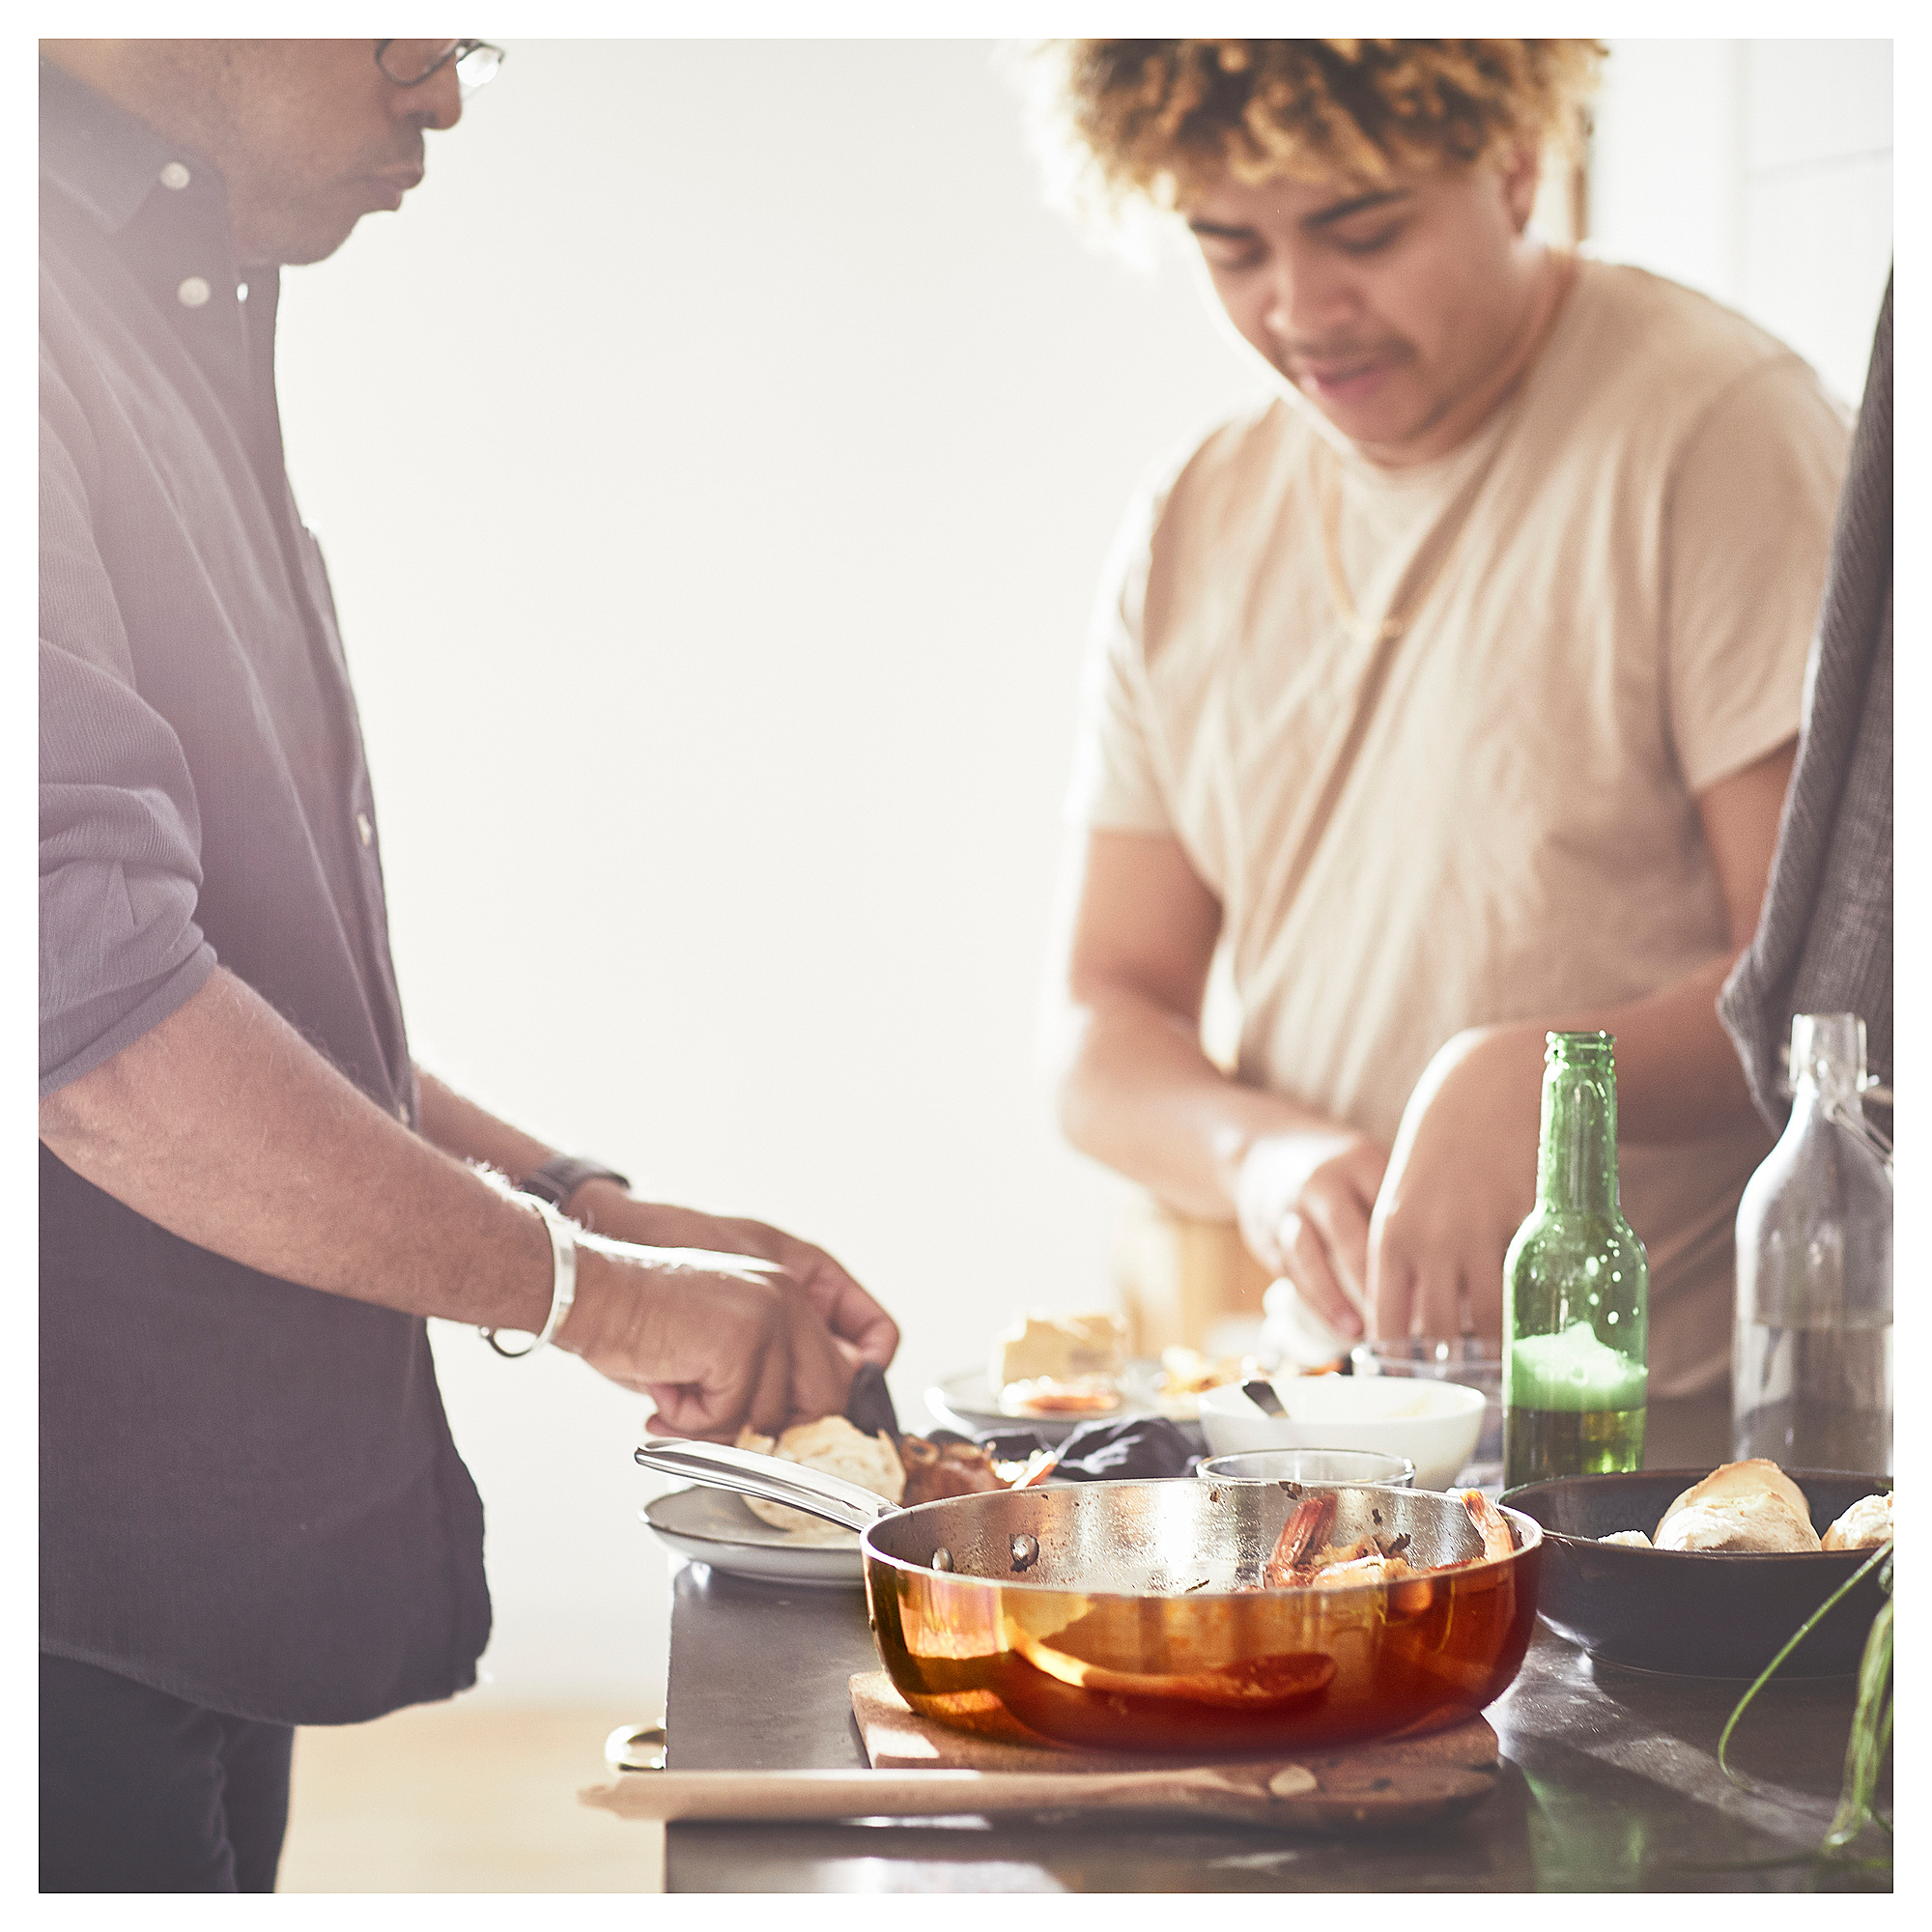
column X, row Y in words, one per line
column 715, row 1527
column 968, row 1403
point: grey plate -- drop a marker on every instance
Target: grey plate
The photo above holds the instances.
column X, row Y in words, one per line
column 710, row 1526
column 968, row 1403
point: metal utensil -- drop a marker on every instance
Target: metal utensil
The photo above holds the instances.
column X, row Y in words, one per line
column 1321, row 1467
column 868, row 1405
column 1263, row 1397
column 636, row 1748
column 1125, row 1614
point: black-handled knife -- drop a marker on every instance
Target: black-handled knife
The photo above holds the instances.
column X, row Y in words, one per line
column 1262, row 1394
column 869, row 1408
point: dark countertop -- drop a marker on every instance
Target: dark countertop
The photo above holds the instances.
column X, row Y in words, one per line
column 1610, row 1779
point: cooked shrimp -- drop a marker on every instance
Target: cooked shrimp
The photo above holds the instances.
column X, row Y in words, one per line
column 1303, row 1530
column 1302, row 1561
column 1492, row 1523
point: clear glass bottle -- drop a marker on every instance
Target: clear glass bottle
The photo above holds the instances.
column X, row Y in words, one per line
column 1811, row 1370
column 1576, row 1287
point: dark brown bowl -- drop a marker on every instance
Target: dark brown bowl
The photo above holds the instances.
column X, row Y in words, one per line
column 1695, row 1614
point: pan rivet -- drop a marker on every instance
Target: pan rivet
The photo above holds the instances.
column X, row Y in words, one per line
column 1026, row 1553
column 942, row 1559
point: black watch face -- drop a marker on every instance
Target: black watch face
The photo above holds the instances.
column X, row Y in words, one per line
column 556, row 1181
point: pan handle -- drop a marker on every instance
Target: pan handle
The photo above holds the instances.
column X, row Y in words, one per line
column 766, row 1477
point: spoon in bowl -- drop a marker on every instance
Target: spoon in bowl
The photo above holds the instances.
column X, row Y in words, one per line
column 1262, row 1394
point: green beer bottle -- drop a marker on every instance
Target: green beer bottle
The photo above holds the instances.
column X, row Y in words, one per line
column 1575, row 1287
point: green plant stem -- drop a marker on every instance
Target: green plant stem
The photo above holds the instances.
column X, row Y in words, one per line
column 1805, row 1630
column 1869, row 1731
column 1835, row 1861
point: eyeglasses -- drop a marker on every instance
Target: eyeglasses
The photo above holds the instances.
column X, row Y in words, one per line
column 411, row 63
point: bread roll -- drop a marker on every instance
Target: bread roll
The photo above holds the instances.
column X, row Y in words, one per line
column 1755, row 1520
column 1864, row 1526
column 1736, row 1482
column 834, row 1446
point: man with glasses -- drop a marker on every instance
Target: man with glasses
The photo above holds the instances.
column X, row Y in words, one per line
column 411, row 63
column 252, row 1515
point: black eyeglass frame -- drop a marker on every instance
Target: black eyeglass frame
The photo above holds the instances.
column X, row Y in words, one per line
column 459, row 51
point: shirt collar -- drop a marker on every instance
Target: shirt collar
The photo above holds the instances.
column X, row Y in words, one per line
column 103, row 158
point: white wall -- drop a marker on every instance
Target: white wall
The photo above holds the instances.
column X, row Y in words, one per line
column 1760, row 172
column 715, row 462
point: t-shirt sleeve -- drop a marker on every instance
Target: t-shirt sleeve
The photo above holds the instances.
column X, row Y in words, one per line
column 1749, row 530
column 120, row 840
column 1115, row 785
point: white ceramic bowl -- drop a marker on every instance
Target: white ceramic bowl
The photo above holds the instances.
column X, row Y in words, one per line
column 1435, row 1424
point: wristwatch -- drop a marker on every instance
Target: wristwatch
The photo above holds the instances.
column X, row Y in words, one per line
column 560, row 1177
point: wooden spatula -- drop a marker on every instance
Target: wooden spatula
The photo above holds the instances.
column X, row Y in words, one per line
column 1273, row 1796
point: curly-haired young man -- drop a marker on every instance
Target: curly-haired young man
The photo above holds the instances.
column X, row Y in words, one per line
column 1453, row 689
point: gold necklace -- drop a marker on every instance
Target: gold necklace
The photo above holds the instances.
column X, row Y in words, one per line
column 1400, row 619
column 1343, row 598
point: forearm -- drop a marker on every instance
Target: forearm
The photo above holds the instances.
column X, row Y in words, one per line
column 1137, row 1093
column 470, row 1132
column 461, row 1127
column 1678, row 1076
column 226, row 1127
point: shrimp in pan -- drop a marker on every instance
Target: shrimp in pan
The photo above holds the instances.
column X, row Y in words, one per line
column 1302, row 1558
column 1498, row 1539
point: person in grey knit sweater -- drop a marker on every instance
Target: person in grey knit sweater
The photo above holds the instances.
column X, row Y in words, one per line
column 1824, row 939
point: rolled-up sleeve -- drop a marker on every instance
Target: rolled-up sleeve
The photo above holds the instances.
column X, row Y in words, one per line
column 120, row 832
column 1750, row 531
column 1115, row 785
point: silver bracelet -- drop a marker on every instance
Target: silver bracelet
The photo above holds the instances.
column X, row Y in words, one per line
column 563, row 1277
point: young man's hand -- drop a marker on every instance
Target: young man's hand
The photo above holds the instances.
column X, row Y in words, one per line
column 865, row 1331
column 1304, row 1202
column 716, row 1341
column 1461, row 1179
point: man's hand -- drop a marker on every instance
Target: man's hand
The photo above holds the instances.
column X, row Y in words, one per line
column 1462, row 1175
column 1461, row 1179
column 716, row 1341
column 1304, row 1202
column 466, row 1130
column 863, row 1328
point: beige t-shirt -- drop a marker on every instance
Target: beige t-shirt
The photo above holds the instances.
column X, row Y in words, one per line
column 1493, row 817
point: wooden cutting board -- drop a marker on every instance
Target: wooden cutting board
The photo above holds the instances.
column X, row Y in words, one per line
column 921, row 1768
column 1348, row 1788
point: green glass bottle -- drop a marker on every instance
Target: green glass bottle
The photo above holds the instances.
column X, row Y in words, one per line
column 1576, row 1287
